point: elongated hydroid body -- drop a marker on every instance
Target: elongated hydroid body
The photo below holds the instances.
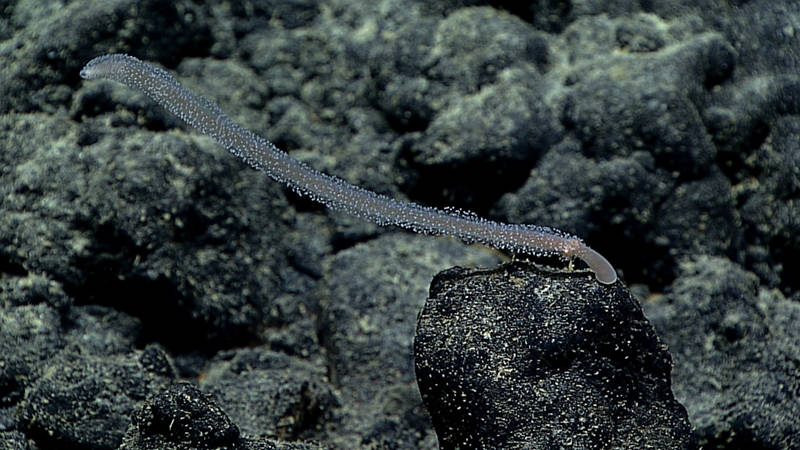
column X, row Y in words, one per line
column 209, row 119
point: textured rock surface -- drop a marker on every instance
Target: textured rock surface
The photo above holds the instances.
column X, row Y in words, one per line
column 86, row 401
column 368, row 318
column 514, row 357
column 181, row 417
column 736, row 348
column 660, row 133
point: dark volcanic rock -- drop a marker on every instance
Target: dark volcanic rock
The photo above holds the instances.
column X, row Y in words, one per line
column 367, row 328
column 269, row 394
column 736, row 346
column 182, row 417
column 514, row 357
column 85, row 401
column 659, row 132
column 182, row 414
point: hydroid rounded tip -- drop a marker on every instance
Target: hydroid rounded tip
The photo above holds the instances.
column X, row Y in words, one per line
column 102, row 65
column 90, row 70
column 87, row 73
column 603, row 270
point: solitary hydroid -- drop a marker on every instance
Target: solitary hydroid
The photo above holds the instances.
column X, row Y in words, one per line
column 337, row 194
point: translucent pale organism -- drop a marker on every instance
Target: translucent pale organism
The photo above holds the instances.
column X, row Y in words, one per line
column 205, row 116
